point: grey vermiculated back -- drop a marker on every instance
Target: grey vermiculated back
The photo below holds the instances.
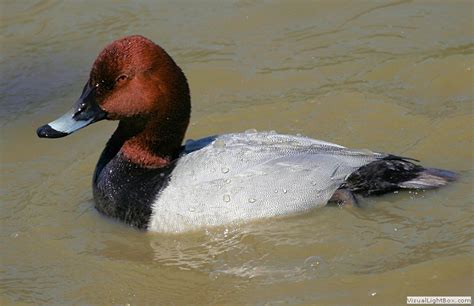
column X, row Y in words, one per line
column 240, row 177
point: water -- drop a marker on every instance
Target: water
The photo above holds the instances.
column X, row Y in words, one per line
column 386, row 76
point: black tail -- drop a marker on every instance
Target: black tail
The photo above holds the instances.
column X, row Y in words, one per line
column 394, row 173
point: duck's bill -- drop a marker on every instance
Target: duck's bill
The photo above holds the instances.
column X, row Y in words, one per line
column 84, row 112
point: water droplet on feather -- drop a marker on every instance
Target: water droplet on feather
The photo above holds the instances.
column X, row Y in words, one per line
column 219, row 144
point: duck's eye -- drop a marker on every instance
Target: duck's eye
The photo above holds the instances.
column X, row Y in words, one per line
column 122, row 77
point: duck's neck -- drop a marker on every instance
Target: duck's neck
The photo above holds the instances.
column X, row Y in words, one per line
column 150, row 143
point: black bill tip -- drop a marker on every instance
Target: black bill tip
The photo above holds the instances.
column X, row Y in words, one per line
column 46, row 131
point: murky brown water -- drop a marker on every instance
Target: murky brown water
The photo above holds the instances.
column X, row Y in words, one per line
column 390, row 76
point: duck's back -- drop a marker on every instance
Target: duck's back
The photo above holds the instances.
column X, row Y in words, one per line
column 240, row 177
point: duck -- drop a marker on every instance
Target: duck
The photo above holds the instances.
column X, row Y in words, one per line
column 147, row 178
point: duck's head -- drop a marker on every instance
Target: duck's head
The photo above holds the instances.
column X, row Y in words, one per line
column 135, row 81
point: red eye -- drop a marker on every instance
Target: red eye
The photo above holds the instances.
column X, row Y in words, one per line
column 122, row 77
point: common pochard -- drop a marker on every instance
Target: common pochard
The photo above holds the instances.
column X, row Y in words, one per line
column 148, row 179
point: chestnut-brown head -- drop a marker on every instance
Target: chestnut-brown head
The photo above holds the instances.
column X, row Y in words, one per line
column 135, row 81
column 135, row 77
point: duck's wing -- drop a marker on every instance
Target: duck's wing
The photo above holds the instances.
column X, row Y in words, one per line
column 218, row 157
column 239, row 177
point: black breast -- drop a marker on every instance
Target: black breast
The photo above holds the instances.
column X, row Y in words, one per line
column 126, row 191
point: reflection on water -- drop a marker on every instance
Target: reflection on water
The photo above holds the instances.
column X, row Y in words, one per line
column 386, row 76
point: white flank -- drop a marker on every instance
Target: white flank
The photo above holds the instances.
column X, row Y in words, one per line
column 242, row 177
